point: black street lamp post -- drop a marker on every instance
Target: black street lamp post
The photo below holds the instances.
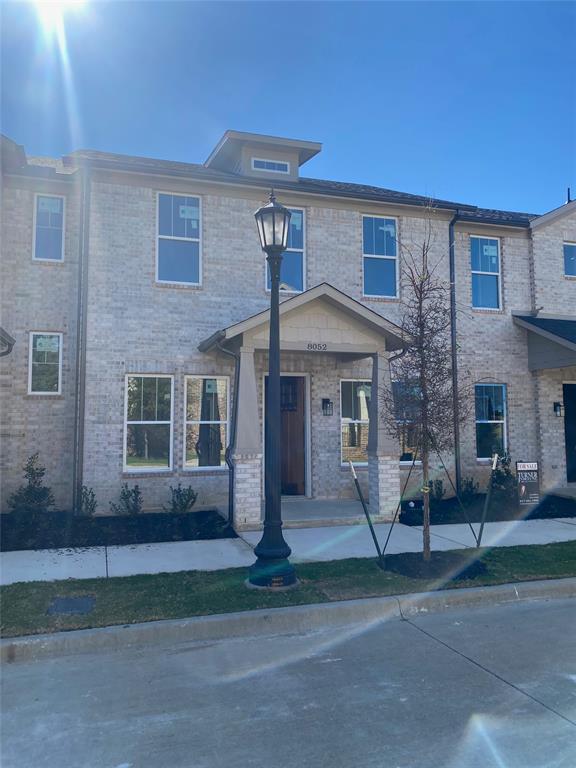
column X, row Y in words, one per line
column 272, row 569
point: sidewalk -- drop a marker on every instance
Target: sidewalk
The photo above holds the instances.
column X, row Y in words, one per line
column 308, row 545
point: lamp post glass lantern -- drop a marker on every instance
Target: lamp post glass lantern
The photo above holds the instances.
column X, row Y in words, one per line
column 272, row 569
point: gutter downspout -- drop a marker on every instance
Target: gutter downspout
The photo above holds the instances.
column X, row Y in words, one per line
column 455, row 404
column 232, row 437
column 81, row 325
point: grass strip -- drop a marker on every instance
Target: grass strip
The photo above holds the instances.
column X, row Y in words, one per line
column 132, row 599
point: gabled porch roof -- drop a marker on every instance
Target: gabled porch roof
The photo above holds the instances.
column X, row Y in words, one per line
column 551, row 340
column 332, row 297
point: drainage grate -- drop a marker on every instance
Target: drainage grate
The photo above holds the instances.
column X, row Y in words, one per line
column 69, row 605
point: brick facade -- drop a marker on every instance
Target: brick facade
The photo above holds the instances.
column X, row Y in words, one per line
column 136, row 325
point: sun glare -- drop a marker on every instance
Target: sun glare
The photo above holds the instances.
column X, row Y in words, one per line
column 51, row 13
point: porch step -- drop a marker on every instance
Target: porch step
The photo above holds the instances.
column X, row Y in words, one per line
column 331, row 521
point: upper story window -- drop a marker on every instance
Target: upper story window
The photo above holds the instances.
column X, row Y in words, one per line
column 49, row 228
column 570, row 259
column 271, row 166
column 491, row 435
column 292, row 270
column 178, row 259
column 45, row 364
column 148, row 441
column 485, row 263
column 206, row 421
column 380, row 256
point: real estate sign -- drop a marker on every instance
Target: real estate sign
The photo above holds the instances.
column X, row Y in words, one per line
column 528, row 482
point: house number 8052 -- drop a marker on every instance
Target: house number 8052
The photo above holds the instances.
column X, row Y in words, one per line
column 317, row 347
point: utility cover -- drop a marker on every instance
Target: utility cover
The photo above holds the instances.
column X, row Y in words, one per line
column 71, row 605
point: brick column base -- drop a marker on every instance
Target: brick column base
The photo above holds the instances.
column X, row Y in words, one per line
column 247, row 491
column 383, row 485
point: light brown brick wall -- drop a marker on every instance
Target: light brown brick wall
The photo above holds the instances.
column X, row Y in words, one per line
column 137, row 326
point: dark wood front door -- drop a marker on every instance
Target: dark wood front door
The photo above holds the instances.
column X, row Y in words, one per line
column 570, row 430
column 293, row 435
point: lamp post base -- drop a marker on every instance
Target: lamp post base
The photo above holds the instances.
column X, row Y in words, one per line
column 272, row 574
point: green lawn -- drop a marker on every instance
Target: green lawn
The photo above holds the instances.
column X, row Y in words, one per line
column 171, row 596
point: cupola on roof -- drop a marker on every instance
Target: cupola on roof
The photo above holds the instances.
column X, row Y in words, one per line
column 255, row 154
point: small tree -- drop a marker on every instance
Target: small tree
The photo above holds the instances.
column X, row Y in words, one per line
column 34, row 497
column 421, row 402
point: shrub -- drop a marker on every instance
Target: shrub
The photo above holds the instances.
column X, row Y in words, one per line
column 182, row 499
column 33, row 498
column 469, row 489
column 504, row 492
column 437, row 493
column 130, row 502
column 88, row 501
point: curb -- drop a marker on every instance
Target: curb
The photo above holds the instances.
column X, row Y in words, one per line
column 291, row 620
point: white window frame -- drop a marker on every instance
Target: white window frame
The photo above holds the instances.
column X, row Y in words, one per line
column 480, row 272
column 148, row 470
column 184, row 239
column 292, row 250
column 377, row 256
column 34, row 217
column 30, row 345
column 503, row 421
column 566, row 242
column 221, row 467
column 352, row 421
column 269, row 170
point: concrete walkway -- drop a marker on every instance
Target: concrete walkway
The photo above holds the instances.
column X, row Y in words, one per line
column 308, row 545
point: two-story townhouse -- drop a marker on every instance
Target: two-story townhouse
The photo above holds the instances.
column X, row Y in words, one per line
column 137, row 295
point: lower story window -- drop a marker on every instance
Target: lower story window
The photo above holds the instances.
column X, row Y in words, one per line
column 490, row 420
column 45, row 366
column 354, row 414
column 148, row 444
column 406, row 401
column 206, row 421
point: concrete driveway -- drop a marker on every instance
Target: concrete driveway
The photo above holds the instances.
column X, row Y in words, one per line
column 470, row 689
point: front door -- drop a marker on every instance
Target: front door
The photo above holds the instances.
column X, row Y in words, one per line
column 570, row 430
column 293, row 435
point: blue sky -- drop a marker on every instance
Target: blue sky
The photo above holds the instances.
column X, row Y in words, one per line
column 474, row 102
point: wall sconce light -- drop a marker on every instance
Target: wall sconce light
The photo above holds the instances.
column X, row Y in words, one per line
column 558, row 409
column 327, row 406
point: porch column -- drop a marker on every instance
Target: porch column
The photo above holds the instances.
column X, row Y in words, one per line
column 247, row 449
column 383, row 449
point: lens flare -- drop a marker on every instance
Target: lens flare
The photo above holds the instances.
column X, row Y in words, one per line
column 52, row 46
column 51, row 14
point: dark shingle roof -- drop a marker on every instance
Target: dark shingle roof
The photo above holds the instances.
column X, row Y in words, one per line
column 563, row 329
column 367, row 192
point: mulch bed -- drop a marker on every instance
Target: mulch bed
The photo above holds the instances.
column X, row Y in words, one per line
column 447, row 566
column 449, row 511
column 61, row 529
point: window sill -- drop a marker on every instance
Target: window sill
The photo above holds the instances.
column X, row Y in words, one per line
column 381, row 298
column 132, row 473
column 178, row 286
column 487, row 311
column 205, row 470
column 55, row 262
column 484, row 461
column 570, row 277
column 267, row 291
column 45, row 395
